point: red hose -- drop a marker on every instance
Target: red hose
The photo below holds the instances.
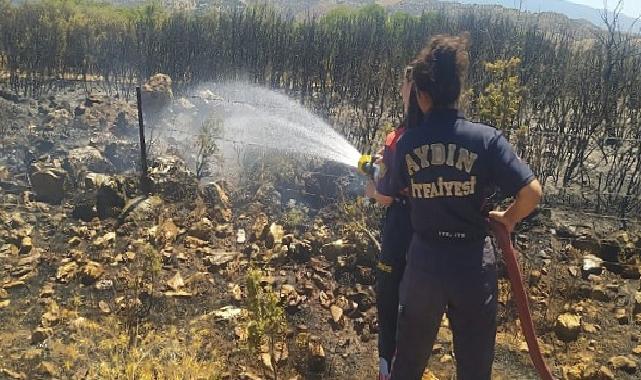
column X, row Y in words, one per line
column 514, row 273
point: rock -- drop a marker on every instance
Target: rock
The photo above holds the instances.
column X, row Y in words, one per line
column 67, row 272
column 104, row 307
column 337, row 313
column 104, row 285
column 333, row 250
column 637, row 303
column 274, row 236
column 605, row 374
column 91, row 272
column 300, row 250
column 235, row 291
column 241, row 236
column 535, row 277
column 4, row 304
column 589, row 328
column 86, row 159
column 9, row 374
column 47, row 291
column 92, row 181
column 219, row 259
column 287, row 290
column 621, row 316
column 13, row 284
column 364, row 275
column 156, row 96
column 632, row 270
column 172, row 180
column 93, row 99
column 39, row 335
column 105, row 241
column 178, row 294
column 141, row 209
column 57, row 119
column 600, row 293
column 226, row 313
column 48, row 369
column 83, row 208
column 9, row 250
column 623, row 363
column 259, row 228
column 592, row 265
column 166, row 233
column 217, row 201
column 610, row 250
column 583, row 371
column 202, row 229
column 192, row 242
column 176, row 282
column 316, row 357
column 123, row 155
column 246, row 375
column 110, row 198
column 567, row 327
column 49, row 185
column 183, row 104
column 25, row 245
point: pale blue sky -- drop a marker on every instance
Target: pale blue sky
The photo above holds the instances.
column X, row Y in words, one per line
column 630, row 7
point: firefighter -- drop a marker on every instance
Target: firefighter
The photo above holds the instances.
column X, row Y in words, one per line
column 449, row 166
column 396, row 233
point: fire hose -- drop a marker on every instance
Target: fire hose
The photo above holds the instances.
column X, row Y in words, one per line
column 514, row 273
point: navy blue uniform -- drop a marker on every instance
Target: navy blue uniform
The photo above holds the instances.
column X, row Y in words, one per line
column 450, row 165
column 396, row 234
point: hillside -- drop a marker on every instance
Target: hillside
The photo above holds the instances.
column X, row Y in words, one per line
column 554, row 11
column 572, row 10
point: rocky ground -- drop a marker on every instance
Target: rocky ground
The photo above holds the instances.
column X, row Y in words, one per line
column 100, row 281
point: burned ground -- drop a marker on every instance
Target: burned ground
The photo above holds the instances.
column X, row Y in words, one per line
column 98, row 280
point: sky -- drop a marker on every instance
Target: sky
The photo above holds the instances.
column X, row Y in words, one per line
column 631, row 8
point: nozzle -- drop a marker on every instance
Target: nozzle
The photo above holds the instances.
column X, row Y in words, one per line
column 366, row 165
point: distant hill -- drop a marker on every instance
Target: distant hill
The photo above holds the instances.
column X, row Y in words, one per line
column 562, row 7
column 302, row 8
column 570, row 9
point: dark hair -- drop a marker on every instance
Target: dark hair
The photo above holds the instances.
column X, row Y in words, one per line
column 440, row 69
column 414, row 114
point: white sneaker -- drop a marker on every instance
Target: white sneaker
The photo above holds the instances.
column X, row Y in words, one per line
column 383, row 369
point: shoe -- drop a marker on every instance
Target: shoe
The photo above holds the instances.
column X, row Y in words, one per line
column 383, row 369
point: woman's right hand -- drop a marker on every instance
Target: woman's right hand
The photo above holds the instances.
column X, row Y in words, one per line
column 370, row 189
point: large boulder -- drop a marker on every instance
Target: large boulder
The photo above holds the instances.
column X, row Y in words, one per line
column 123, row 155
column 215, row 197
column 567, row 327
column 86, row 159
column 83, row 206
column 58, row 119
column 49, row 184
column 172, row 180
column 110, row 198
column 124, row 125
column 156, row 96
column 141, row 209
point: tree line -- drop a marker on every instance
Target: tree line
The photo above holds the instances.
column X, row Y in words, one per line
column 578, row 97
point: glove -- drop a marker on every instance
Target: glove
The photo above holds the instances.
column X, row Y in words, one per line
column 383, row 369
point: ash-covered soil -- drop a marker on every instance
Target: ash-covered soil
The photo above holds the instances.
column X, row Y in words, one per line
column 100, row 281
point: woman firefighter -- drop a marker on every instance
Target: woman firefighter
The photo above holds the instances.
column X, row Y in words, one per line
column 449, row 166
column 396, row 233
